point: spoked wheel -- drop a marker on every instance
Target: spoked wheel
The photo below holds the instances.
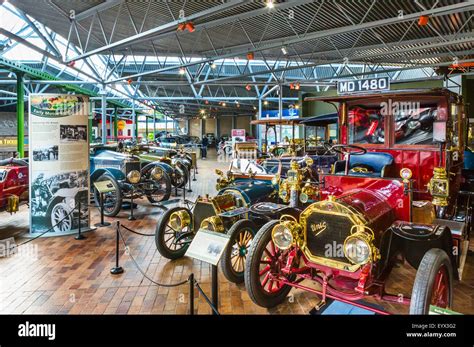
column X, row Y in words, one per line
column 263, row 262
column 235, row 255
column 174, row 232
column 180, row 177
column 156, row 190
column 112, row 200
column 433, row 283
column 60, row 220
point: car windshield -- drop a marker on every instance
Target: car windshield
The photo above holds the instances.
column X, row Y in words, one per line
column 3, row 175
column 245, row 166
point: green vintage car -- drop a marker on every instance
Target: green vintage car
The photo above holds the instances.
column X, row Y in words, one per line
column 176, row 163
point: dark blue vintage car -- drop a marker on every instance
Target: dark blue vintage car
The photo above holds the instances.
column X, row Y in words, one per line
column 129, row 178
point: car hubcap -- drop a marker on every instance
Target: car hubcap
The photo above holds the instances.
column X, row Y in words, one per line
column 269, row 265
column 240, row 250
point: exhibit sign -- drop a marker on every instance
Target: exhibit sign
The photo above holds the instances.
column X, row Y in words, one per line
column 208, row 246
column 363, row 85
column 238, row 135
column 59, row 163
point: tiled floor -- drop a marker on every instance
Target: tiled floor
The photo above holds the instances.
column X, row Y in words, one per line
column 62, row 275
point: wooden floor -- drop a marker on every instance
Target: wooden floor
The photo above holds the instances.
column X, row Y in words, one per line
column 59, row 275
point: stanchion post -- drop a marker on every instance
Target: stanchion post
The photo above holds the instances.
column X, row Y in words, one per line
column 189, row 189
column 131, row 217
column 117, row 269
column 215, row 289
column 79, row 235
column 102, row 222
column 191, row 294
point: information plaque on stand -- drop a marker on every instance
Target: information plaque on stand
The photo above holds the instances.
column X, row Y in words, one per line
column 208, row 246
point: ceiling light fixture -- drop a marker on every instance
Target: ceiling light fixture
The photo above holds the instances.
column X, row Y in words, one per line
column 265, row 102
column 190, row 27
column 182, row 71
column 284, row 50
column 270, row 4
column 423, row 21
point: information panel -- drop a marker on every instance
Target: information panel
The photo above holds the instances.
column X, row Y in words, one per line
column 58, row 163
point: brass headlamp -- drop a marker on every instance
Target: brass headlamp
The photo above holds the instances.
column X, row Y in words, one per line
column 213, row 223
column 439, row 186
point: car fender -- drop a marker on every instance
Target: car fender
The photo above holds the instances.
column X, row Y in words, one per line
column 166, row 167
column 413, row 240
column 242, row 192
column 116, row 173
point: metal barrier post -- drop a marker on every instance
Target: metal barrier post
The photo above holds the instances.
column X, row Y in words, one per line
column 79, row 235
column 131, row 217
column 215, row 288
column 189, row 180
column 102, row 223
column 191, row 294
column 117, row 269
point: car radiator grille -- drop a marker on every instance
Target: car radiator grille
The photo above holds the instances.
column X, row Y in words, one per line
column 130, row 166
column 329, row 242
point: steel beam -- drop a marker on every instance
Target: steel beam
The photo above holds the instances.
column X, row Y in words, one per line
column 277, row 43
column 96, row 9
column 20, row 115
column 169, row 27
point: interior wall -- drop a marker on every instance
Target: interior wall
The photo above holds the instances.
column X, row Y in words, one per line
column 225, row 125
column 195, row 127
column 243, row 122
column 210, row 126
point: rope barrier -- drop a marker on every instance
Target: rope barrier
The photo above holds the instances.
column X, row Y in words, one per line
column 44, row 232
column 206, row 298
column 193, row 282
column 135, row 232
column 143, row 273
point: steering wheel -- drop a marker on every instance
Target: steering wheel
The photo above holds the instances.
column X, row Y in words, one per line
column 346, row 149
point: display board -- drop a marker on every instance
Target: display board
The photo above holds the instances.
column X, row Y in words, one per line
column 208, row 246
column 59, row 163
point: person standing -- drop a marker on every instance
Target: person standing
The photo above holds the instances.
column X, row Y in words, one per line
column 204, row 144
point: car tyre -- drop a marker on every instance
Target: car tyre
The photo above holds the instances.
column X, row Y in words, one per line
column 165, row 179
column 116, row 197
column 433, row 282
column 235, row 255
column 165, row 235
column 255, row 288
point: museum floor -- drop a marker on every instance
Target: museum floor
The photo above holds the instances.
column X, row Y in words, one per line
column 59, row 275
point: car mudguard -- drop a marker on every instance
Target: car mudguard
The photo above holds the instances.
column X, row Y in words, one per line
column 166, row 167
column 413, row 240
column 116, row 173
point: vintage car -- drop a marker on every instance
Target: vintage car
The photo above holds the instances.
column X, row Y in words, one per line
column 222, row 213
column 177, row 163
column 13, row 184
column 129, row 178
column 391, row 196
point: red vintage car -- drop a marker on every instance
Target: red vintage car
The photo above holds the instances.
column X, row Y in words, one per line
column 395, row 194
column 13, row 184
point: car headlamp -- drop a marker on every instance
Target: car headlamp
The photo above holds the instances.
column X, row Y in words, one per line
column 157, row 173
column 179, row 220
column 358, row 247
column 133, row 176
column 282, row 236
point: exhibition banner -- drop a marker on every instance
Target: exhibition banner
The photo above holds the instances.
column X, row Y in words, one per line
column 58, row 163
